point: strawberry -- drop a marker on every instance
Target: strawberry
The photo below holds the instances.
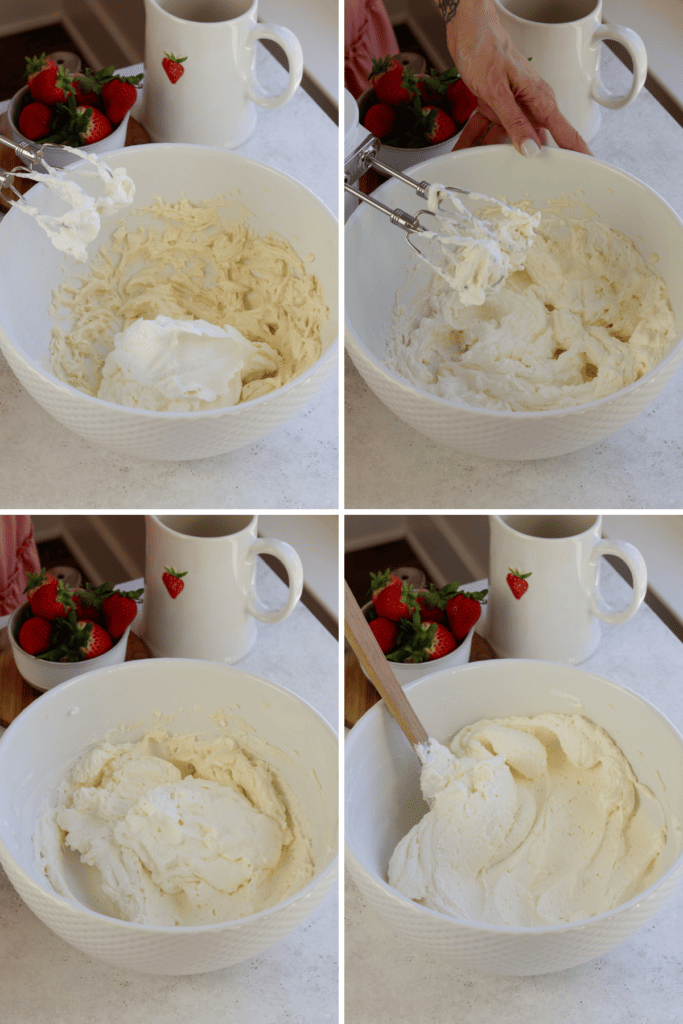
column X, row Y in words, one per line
column 91, row 640
column 391, row 597
column 463, row 613
column 429, row 606
column 387, row 78
column 80, row 85
column 385, row 632
column 34, row 120
column 48, row 597
column 35, row 635
column 429, row 641
column 380, row 119
column 173, row 581
column 173, row 66
column 93, row 126
column 41, row 75
column 119, row 610
column 517, row 582
column 462, row 101
column 437, row 125
column 118, row 96
column 87, row 607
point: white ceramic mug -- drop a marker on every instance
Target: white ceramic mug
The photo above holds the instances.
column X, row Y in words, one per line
column 563, row 39
column 214, row 102
column 214, row 615
column 544, row 595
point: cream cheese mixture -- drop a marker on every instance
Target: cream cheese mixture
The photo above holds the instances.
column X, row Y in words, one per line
column 179, row 830
column 187, row 262
column 532, row 821
column 577, row 317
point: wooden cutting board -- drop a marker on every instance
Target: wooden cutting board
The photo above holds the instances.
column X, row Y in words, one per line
column 360, row 694
column 16, row 694
column 136, row 135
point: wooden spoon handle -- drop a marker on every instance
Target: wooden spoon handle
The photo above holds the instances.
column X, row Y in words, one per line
column 368, row 652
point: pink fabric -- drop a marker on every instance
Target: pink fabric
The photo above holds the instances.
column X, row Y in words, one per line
column 18, row 557
column 368, row 35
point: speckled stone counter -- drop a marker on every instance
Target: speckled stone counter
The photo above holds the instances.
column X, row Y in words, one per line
column 45, row 465
column 44, row 978
column 390, row 981
column 391, row 465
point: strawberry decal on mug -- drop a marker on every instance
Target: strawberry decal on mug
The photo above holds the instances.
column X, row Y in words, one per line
column 173, row 581
column 173, row 66
column 517, row 582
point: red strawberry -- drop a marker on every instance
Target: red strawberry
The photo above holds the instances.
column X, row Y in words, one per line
column 86, row 605
column 385, row 632
column 173, row 66
column 34, row 120
column 82, row 90
column 93, row 125
column 173, row 581
column 387, row 78
column 429, row 608
column 428, row 86
column 463, row 612
column 380, row 119
column 517, row 582
column 119, row 95
column 93, row 640
column 35, row 635
column 462, row 101
column 439, row 643
column 41, row 75
column 391, row 597
column 48, row 597
column 119, row 610
column 437, row 125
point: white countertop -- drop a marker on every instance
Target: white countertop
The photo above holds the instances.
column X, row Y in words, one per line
column 45, row 465
column 638, row 467
column 42, row 977
column 390, row 981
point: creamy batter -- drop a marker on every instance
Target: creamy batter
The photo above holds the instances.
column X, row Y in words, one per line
column 72, row 230
column 582, row 318
column 532, row 821
column 189, row 262
column 179, row 830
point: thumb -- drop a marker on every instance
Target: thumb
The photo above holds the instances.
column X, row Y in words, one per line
column 505, row 109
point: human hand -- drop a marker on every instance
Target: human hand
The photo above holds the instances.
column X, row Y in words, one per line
column 513, row 100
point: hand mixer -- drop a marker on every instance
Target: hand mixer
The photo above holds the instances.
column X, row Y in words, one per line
column 34, row 155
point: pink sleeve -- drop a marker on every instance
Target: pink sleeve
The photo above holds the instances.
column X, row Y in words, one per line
column 368, row 34
column 18, row 557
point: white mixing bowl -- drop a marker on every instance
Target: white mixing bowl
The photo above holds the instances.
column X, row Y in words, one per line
column 30, row 267
column 377, row 257
column 39, row 746
column 383, row 801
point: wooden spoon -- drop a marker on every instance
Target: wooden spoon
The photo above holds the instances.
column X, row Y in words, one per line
column 368, row 652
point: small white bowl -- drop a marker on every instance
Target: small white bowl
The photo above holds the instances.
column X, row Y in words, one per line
column 406, row 673
column 44, row 675
column 44, row 740
column 60, row 157
column 383, row 801
column 30, row 267
column 400, row 157
column 378, row 257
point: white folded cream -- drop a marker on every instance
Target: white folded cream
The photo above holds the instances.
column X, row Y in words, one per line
column 169, row 364
column 177, row 830
column 73, row 230
column 532, row 821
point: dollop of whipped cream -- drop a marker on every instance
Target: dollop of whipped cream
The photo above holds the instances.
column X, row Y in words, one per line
column 73, row 230
column 181, row 365
column 475, row 255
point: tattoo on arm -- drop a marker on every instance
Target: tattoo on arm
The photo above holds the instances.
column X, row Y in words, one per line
column 449, row 9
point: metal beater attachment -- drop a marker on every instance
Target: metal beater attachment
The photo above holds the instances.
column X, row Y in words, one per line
column 34, row 155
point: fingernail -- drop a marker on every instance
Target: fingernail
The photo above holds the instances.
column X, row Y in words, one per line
column 529, row 148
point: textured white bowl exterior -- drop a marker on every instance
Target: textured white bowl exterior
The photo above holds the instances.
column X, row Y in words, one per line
column 383, row 800
column 30, row 267
column 40, row 744
column 46, row 674
column 377, row 258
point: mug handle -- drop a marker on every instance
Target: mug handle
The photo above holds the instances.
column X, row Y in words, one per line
column 636, row 563
column 290, row 44
column 635, row 46
column 286, row 554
